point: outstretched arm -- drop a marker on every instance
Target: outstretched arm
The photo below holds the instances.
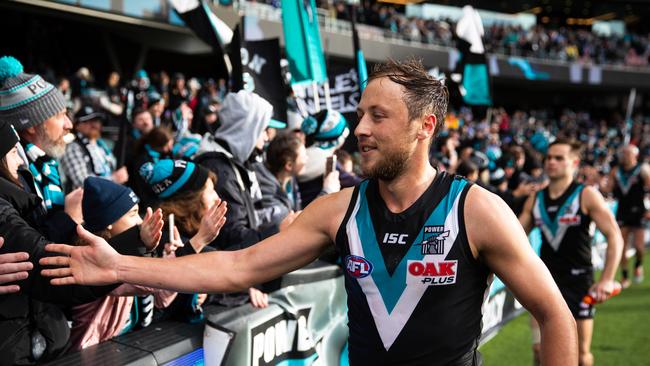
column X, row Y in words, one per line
column 298, row 245
column 498, row 240
column 596, row 207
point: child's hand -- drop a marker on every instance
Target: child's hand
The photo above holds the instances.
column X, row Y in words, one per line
column 151, row 229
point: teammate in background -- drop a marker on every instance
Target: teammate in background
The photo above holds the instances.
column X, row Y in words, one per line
column 419, row 245
column 630, row 182
column 564, row 211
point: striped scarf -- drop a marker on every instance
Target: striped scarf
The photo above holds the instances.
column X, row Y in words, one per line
column 46, row 176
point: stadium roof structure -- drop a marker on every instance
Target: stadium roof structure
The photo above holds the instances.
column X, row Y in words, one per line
column 630, row 11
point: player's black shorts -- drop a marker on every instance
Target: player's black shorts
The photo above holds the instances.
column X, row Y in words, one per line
column 630, row 216
column 573, row 289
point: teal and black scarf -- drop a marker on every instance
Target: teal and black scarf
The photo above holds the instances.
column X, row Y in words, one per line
column 46, row 176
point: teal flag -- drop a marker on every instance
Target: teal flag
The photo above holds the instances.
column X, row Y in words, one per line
column 362, row 70
column 302, row 42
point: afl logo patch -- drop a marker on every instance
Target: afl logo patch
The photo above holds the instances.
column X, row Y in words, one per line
column 357, row 267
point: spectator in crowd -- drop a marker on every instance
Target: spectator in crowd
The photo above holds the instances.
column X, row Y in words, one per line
column 110, row 209
column 324, row 132
column 152, row 147
column 42, row 124
column 139, row 89
column 244, row 118
column 468, row 169
column 114, row 104
column 64, row 87
column 187, row 191
column 286, row 158
column 179, row 92
column 13, row 266
column 141, row 124
column 209, row 119
column 156, row 107
column 88, row 155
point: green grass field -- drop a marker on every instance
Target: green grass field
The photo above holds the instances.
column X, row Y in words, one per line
column 621, row 333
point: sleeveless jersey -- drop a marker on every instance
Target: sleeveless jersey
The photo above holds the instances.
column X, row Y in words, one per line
column 630, row 191
column 566, row 232
column 414, row 289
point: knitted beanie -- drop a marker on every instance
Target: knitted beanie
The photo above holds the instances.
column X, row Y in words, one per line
column 325, row 129
column 8, row 138
column 168, row 177
column 26, row 100
column 104, row 202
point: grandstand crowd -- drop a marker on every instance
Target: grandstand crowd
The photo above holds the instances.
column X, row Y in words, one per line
column 539, row 41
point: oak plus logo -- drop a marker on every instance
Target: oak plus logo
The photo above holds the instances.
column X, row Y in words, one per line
column 431, row 273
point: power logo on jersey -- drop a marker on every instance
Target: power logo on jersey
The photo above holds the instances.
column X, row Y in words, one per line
column 431, row 273
column 357, row 267
column 434, row 240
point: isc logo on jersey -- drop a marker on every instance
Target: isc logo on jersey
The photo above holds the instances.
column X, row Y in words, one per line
column 357, row 267
column 431, row 273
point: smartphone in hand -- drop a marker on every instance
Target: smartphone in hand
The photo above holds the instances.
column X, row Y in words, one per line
column 170, row 222
column 330, row 165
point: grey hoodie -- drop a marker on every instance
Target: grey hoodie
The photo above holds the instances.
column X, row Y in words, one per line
column 243, row 116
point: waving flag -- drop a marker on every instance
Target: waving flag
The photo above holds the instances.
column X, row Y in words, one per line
column 198, row 16
column 302, row 41
column 474, row 83
column 362, row 70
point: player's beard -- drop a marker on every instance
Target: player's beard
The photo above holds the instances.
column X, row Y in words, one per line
column 389, row 166
column 53, row 146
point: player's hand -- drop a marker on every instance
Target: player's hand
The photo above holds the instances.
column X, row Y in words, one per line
column 259, row 299
column 151, row 228
column 602, row 290
column 92, row 264
column 13, row 267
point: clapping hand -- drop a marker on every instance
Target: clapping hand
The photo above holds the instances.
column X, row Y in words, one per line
column 211, row 224
column 151, row 228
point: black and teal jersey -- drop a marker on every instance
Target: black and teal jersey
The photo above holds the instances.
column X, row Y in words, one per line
column 566, row 232
column 629, row 189
column 415, row 291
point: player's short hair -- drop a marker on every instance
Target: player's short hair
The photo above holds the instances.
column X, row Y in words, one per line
column 574, row 146
column 423, row 94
